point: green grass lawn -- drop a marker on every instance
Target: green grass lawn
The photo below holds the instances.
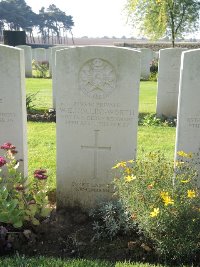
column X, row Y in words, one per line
column 42, row 88
column 147, row 97
column 52, row 262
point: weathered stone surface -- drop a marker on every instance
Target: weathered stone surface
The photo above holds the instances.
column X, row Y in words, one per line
column 53, row 70
column 146, row 59
column 28, row 59
column 39, row 54
column 97, row 113
column 12, row 102
column 168, row 81
column 188, row 120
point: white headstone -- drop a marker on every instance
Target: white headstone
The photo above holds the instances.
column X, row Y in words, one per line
column 48, row 58
column 188, row 120
column 168, row 81
column 28, row 59
column 40, row 54
column 156, row 55
column 33, row 53
column 146, row 59
column 12, row 102
column 53, row 70
column 97, row 113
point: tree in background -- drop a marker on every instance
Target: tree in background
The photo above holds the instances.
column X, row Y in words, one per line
column 159, row 18
column 54, row 22
column 17, row 15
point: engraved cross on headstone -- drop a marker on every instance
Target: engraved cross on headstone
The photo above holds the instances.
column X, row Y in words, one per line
column 96, row 148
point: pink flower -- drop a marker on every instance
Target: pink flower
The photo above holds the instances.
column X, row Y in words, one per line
column 7, row 146
column 2, row 161
column 40, row 174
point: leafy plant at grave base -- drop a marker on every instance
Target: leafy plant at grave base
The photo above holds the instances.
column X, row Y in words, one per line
column 164, row 201
column 154, row 70
column 111, row 219
column 152, row 120
column 20, row 200
column 154, row 66
column 41, row 68
column 29, row 101
column 153, row 77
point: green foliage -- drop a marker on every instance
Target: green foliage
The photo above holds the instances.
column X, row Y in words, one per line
column 157, row 18
column 110, row 220
column 29, row 101
column 154, row 70
column 164, row 202
column 21, row 201
column 17, row 15
column 43, row 98
column 22, row 261
column 153, row 77
column 153, row 120
column 41, row 69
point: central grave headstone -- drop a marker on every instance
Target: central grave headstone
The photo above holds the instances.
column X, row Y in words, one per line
column 97, row 114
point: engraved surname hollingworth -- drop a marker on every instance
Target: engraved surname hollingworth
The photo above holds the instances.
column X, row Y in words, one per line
column 97, row 78
column 96, row 148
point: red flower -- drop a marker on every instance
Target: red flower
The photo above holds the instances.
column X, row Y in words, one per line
column 10, row 147
column 7, row 146
column 2, row 161
column 40, row 174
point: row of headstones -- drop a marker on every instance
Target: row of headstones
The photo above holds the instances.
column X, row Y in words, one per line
column 37, row 54
column 97, row 115
column 42, row 54
column 168, row 75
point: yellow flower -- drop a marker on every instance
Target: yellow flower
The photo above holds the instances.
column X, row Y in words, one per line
column 191, row 194
column 179, row 163
column 128, row 171
column 164, row 194
column 185, row 181
column 168, row 201
column 155, row 212
column 166, row 198
column 129, row 178
column 183, row 154
column 120, row 164
column 130, row 161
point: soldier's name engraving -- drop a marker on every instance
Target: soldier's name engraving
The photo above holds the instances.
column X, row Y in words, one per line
column 96, row 114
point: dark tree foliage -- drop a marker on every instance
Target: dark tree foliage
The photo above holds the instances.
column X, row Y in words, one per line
column 53, row 22
column 17, row 15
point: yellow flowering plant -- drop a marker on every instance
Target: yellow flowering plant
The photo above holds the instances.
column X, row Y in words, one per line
column 164, row 199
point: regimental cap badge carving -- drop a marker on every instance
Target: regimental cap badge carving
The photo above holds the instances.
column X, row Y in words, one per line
column 97, row 78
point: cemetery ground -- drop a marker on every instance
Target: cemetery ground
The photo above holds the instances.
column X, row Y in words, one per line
column 68, row 234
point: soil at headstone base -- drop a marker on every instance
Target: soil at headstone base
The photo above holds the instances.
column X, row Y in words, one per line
column 69, row 234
